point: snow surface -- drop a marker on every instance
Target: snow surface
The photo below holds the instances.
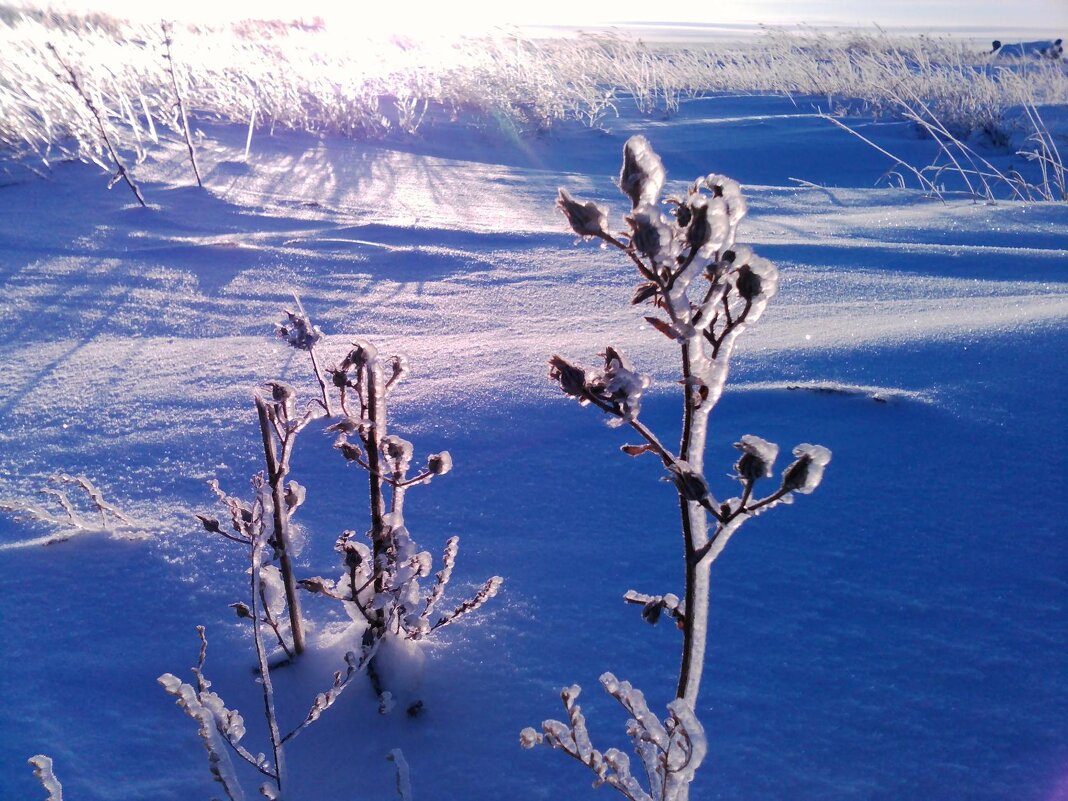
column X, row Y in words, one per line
column 900, row 634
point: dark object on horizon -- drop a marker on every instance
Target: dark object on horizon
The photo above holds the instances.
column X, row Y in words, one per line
column 1051, row 49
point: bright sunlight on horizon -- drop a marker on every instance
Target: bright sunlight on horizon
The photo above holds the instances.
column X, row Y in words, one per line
column 475, row 16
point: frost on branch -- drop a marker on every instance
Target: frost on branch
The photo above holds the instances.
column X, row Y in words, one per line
column 654, row 605
column 617, row 388
column 69, row 521
column 381, row 585
column 215, row 732
column 653, row 238
column 669, row 751
column 703, row 290
column 299, row 331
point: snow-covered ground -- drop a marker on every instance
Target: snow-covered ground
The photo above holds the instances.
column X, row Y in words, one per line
column 900, row 635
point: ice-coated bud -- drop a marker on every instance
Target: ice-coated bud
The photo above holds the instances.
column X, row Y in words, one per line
column 396, row 449
column 399, row 364
column 423, row 563
column 651, row 612
column 731, row 192
column 708, row 227
column 284, row 395
column 439, row 463
column 690, row 484
column 241, row 610
column 299, row 331
column 361, row 353
column 338, row 377
column 585, row 219
column 210, row 524
column 354, row 557
column 683, row 215
column 748, row 282
column 569, row 694
column 571, row 377
column 698, row 231
column 622, row 384
column 804, row 475
column 346, row 425
column 755, row 278
column 351, row 452
column 758, row 458
column 652, row 237
column 295, row 494
column 316, row 584
column 642, row 176
column 528, row 738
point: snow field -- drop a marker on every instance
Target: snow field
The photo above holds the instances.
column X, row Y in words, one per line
column 898, row 635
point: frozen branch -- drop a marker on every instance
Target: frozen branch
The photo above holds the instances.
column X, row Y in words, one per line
column 42, row 769
column 710, row 289
column 71, row 523
column 121, row 174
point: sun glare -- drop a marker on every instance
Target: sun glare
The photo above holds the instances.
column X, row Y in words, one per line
column 416, row 17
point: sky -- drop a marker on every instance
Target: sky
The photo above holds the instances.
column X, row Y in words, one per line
column 1047, row 16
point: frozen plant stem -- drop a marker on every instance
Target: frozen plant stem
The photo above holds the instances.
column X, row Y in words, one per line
column 219, row 726
column 376, row 416
column 695, row 537
column 704, row 290
column 264, row 668
column 277, row 469
column 121, row 172
column 183, row 117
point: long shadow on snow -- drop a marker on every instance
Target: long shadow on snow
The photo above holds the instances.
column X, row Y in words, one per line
column 962, row 262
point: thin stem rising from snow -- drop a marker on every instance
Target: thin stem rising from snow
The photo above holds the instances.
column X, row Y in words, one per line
column 704, row 290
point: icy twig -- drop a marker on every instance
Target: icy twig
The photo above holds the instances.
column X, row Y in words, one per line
column 271, row 418
column 42, row 769
column 654, row 605
column 261, row 653
column 670, row 750
column 710, row 290
column 485, row 593
column 404, row 777
column 304, row 335
column 228, row 722
column 72, row 523
column 121, row 174
column 222, row 769
column 325, row 700
column 168, row 39
column 441, row 579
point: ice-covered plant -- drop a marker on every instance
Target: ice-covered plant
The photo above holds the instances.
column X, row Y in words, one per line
column 122, row 173
column 387, row 584
column 222, row 729
column 382, row 580
column 704, row 290
column 42, row 769
column 179, row 102
column 72, row 522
